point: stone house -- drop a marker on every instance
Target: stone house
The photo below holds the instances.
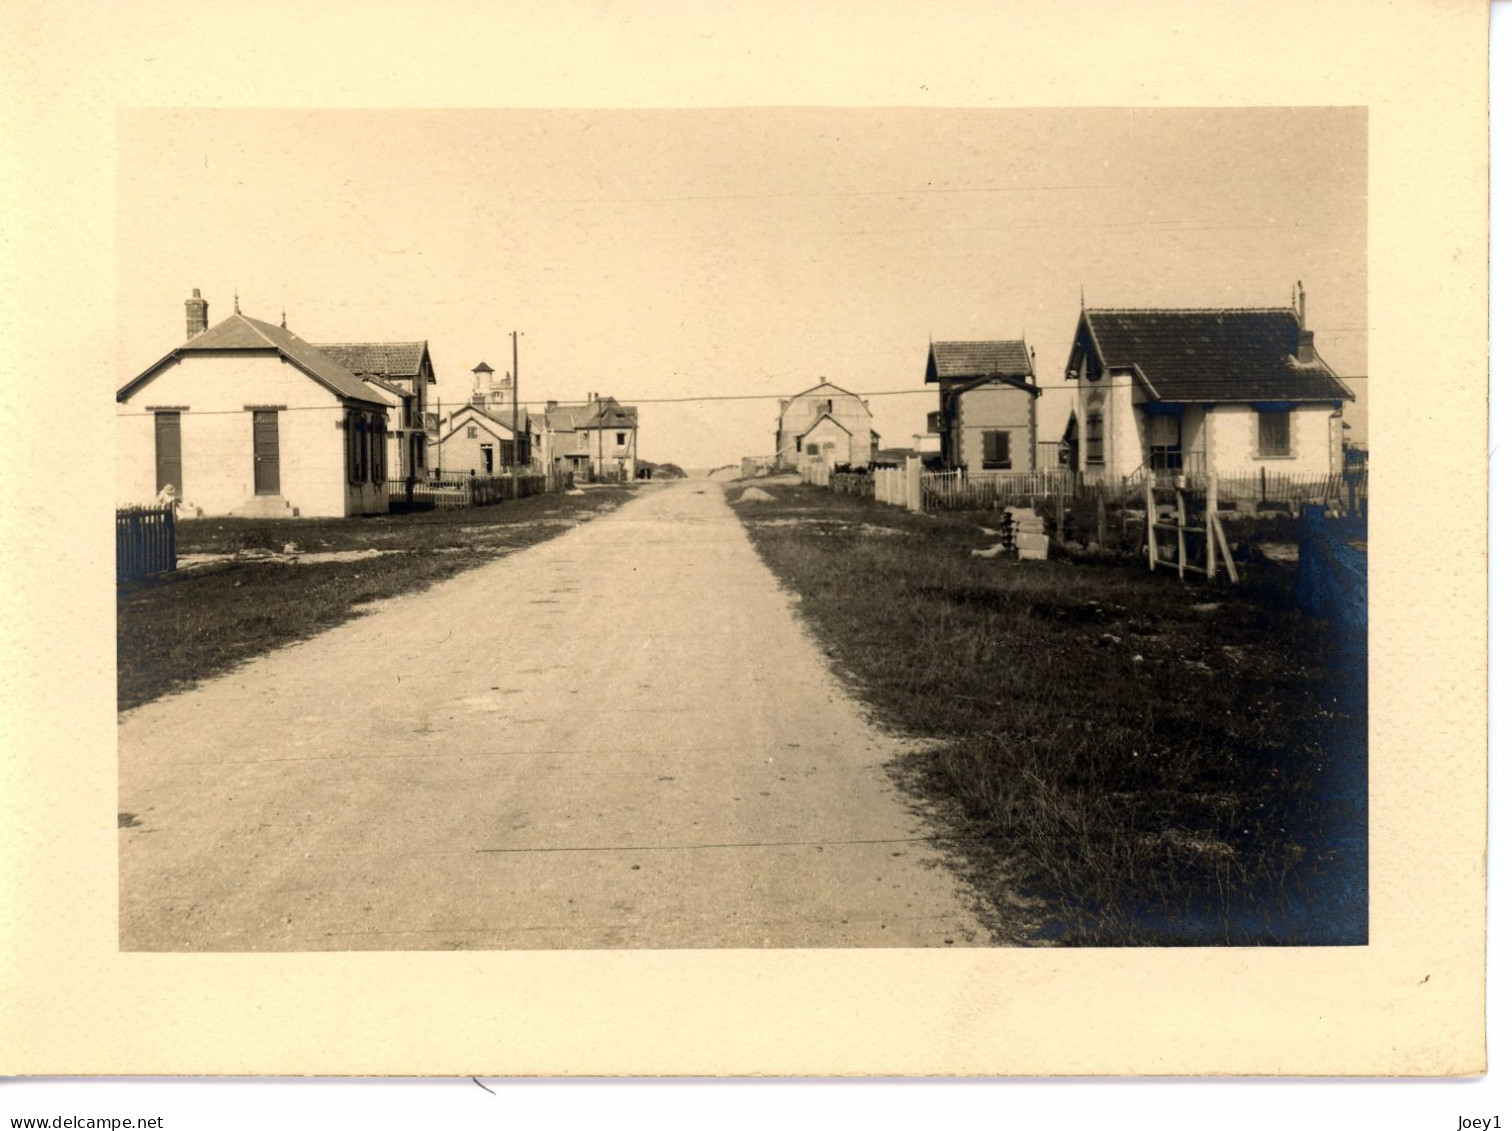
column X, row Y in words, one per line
column 986, row 418
column 475, row 441
column 247, row 418
column 1230, row 390
column 827, row 423
column 402, row 374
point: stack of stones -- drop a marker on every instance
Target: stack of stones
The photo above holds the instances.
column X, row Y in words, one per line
column 1024, row 534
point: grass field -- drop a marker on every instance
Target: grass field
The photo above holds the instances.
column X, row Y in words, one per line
column 1142, row 762
column 174, row 631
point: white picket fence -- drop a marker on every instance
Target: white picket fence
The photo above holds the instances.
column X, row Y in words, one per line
column 895, row 486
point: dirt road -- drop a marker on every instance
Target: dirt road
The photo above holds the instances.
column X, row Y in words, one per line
column 618, row 738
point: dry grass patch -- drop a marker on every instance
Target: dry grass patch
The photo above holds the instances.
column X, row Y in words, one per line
column 1168, row 764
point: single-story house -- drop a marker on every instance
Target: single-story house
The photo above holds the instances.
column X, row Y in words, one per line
column 247, row 418
column 475, row 441
column 986, row 418
column 1230, row 390
column 402, row 373
column 827, row 423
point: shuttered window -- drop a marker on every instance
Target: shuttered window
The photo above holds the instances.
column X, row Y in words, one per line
column 1095, row 436
column 995, row 454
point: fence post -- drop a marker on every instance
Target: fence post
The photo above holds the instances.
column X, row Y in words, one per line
column 915, row 485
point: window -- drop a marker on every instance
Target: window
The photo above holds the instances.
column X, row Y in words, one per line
column 1275, row 432
column 812, row 449
column 377, row 458
column 995, row 451
column 1164, row 434
column 619, row 438
column 1095, row 436
column 354, row 446
column 472, row 432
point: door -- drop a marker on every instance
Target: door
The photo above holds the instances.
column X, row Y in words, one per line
column 487, row 450
column 265, row 451
column 170, row 458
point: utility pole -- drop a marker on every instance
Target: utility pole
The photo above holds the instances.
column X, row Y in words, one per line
column 598, row 403
column 514, row 418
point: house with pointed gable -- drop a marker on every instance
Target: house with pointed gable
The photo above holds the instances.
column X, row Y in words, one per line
column 986, row 418
column 826, row 423
column 1226, row 390
column 247, row 418
column 402, row 374
column 479, row 438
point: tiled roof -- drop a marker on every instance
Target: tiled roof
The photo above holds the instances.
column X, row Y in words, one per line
column 242, row 333
column 1214, row 355
column 381, row 359
column 977, row 359
column 456, row 421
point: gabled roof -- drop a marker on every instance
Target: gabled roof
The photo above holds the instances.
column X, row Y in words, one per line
column 388, row 387
column 239, row 332
column 949, row 360
column 608, row 413
column 823, row 416
column 1209, row 356
column 996, row 379
column 826, row 384
column 382, row 359
column 455, row 420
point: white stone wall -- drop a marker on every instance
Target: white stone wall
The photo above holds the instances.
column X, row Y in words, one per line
column 834, row 444
column 1236, row 442
column 212, row 393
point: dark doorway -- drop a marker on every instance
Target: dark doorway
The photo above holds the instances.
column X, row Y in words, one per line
column 265, row 452
column 170, row 453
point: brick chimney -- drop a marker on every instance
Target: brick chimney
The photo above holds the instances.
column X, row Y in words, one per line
column 1306, row 354
column 196, row 314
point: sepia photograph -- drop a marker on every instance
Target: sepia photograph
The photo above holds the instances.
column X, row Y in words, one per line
column 747, row 528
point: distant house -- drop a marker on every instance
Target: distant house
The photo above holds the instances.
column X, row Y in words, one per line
column 473, row 441
column 827, row 423
column 598, row 439
column 986, row 418
column 479, row 438
column 247, row 418
column 1230, row 390
column 402, row 373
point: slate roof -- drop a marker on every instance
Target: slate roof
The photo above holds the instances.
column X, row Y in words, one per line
column 1211, row 356
column 381, row 359
column 239, row 332
column 951, row 360
column 609, row 413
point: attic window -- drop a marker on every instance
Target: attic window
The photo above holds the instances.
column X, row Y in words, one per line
column 472, row 432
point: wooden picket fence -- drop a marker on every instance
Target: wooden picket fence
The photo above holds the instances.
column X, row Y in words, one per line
column 455, row 491
column 992, row 490
column 145, row 543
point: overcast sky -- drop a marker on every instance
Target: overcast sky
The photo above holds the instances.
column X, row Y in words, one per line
column 702, row 253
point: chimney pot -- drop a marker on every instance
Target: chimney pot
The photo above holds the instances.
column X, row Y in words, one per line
column 196, row 314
